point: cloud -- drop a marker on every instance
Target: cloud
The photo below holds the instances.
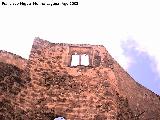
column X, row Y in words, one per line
column 141, row 68
column 145, row 46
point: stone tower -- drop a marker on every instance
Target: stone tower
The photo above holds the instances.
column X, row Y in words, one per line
column 79, row 82
column 74, row 92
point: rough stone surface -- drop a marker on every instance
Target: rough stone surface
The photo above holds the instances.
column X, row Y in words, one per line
column 46, row 86
column 13, row 59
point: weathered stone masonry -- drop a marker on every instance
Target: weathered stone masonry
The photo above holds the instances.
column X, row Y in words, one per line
column 13, row 59
column 47, row 86
column 82, row 92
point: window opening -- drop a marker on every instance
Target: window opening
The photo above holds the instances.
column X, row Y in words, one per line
column 84, row 60
column 75, row 60
column 79, row 59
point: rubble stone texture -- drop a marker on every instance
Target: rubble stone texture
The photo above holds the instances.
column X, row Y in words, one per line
column 12, row 59
column 46, row 86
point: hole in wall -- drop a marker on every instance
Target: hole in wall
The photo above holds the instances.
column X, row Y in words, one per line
column 75, row 60
column 82, row 59
column 59, row 118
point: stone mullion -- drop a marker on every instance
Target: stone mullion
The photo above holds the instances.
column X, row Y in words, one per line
column 80, row 59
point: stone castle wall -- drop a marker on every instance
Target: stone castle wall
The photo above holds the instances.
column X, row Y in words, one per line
column 13, row 59
column 82, row 92
column 46, row 86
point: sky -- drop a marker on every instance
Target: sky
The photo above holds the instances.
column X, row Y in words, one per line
column 129, row 29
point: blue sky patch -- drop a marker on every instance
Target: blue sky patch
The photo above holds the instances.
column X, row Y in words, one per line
column 141, row 68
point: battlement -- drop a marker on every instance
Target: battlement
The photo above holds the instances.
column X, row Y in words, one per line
column 10, row 58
